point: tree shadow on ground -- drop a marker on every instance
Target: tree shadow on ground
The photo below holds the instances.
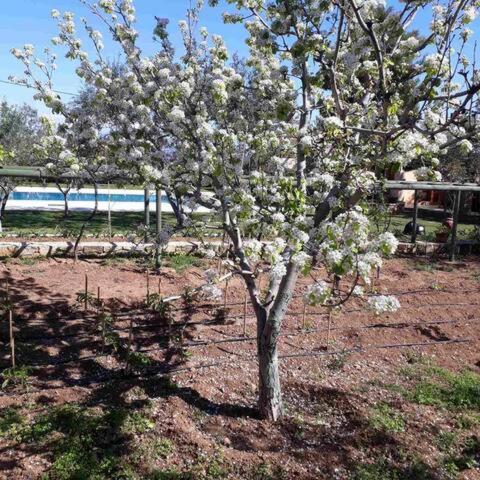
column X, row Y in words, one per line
column 79, row 442
column 114, row 394
column 324, row 427
column 329, row 428
column 68, row 342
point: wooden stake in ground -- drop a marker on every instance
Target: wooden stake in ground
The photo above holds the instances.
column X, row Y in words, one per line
column 225, row 295
column 86, row 293
column 219, row 267
column 245, row 304
column 160, row 286
column 101, row 312
column 10, row 324
column 304, row 316
column 104, row 325
column 328, row 328
column 129, row 347
column 148, row 287
column 12, row 338
column 181, row 338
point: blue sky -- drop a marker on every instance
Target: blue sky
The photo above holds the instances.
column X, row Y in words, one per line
column 29, row 21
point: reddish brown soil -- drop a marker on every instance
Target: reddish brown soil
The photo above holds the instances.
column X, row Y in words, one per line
column 328, row 397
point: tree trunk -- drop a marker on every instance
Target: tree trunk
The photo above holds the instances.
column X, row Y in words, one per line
column 88, row 220
column 269, row 390
column 269, row 324
column 65, row 193
column 2, row 209
column 65, row 203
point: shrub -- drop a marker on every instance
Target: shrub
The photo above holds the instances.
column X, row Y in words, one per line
column 385, row 418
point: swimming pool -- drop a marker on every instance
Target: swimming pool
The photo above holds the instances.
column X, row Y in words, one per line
column 82, row 197
column 113, row 199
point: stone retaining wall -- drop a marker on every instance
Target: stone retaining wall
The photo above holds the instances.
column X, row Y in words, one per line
column 88, row 249
column 105, row 249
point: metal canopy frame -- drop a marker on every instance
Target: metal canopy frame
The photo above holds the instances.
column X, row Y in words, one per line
column 41, row 173
column 438, row 186
column 458, row 188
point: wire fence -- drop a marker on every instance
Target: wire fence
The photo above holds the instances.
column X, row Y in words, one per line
column 141, row 323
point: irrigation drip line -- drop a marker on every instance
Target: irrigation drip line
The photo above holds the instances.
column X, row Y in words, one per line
column 201, row 343
column 411, row 292
column 177, row 326
column 125, row 318
column 197, row 308
column 378, row 347
column 161, row 371
column 407, row 306
column 204, row 343
column 140, row 313
column 200, row 322
column 397, row 325
column 138, row 326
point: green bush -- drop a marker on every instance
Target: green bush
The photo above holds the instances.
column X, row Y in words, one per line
column 447, row 389
column 385, row 418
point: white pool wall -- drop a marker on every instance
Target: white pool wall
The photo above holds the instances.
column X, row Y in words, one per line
column 54, row 205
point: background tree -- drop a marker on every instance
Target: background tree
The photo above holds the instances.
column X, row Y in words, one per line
column 462, row 162
column 20, row 128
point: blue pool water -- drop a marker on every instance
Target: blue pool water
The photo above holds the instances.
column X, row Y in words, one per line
column 83, row 197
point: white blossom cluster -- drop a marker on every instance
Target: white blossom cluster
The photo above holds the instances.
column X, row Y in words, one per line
column 317, row 294
column 383, row 304
column 210, row 289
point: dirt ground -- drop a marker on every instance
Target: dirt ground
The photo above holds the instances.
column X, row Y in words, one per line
column 352, row 409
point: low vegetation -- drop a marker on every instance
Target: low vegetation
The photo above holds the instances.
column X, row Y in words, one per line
column 128, row 442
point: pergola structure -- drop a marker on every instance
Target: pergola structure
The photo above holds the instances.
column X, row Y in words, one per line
column 41, row 173
column 458, row 188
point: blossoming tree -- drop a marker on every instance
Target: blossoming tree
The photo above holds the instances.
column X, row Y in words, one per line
column 19, row 128
column 287, row 147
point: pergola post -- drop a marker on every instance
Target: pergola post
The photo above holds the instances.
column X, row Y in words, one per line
column 158, row 209
column 146, row 203
column 415, row 216
column 109, row 212
column 456, row 212
column 158, row 227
